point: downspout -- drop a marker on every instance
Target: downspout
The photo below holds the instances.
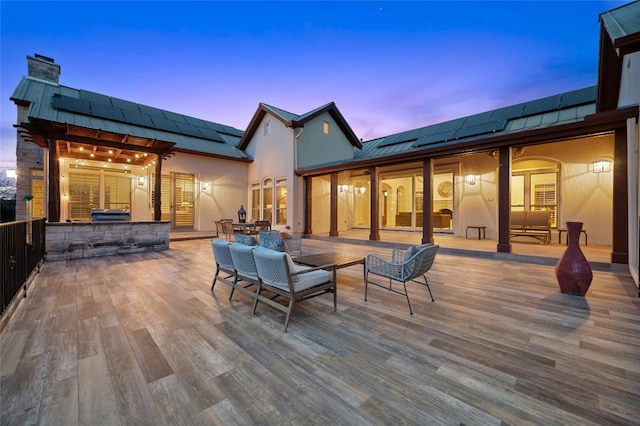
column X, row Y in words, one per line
column 295, row 147
column 294, row 184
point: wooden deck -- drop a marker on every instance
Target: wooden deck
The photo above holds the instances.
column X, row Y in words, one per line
column 139, row 339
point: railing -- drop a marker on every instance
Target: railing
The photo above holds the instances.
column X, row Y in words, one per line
column 21, row 252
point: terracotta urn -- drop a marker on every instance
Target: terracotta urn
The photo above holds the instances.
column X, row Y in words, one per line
column 573, row 270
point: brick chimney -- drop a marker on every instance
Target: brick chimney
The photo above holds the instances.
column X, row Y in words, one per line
column 43, row 68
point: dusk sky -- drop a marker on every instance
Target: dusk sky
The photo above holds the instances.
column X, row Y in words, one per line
column 388, row 66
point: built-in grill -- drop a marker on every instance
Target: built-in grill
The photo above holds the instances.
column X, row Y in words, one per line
column 110, row 215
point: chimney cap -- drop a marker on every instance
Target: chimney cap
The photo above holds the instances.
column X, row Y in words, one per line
column 44, row 58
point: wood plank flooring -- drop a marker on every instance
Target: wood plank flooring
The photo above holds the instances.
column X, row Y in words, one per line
column 139, row 339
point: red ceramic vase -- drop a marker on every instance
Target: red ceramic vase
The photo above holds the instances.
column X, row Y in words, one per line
column 572, row 270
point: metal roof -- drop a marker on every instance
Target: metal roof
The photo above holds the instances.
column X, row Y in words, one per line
column 545, row 112
column 61, row 104
column 622, row 21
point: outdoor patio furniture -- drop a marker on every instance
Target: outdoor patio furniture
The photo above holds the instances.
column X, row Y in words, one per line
column 293, row 243
column 533, row 223
column 278, row 274
column 227, row 229
column 260, row 225
column 272, row 240
column 404, row 266
column 224, row 264
column 245, row 267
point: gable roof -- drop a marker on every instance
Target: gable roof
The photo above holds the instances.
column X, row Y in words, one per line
column 623, row 26
column 294, row 121
column 62, row 105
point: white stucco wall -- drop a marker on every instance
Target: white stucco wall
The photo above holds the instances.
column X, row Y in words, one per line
column 274, row 154
column 630, row 80
column 227, row 186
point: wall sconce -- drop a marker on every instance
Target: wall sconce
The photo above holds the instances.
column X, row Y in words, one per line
column 385, row 192
column 470, row 179
column 343, row 188
column 204, row 186
column 362, row 190
column 141, row 180
column 603, row 165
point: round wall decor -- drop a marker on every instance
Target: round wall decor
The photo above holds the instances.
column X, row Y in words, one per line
column 445, row 188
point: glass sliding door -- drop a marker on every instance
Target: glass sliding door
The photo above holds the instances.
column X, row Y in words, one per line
column 443, row 193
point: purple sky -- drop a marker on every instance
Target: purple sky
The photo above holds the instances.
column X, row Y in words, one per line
column 389, row 66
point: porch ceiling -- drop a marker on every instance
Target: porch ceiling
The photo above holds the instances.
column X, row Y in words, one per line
column 80, row 143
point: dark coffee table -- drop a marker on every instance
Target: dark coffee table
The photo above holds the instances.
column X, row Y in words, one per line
column 337, row 259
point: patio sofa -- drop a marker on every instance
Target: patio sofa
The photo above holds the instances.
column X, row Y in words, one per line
column 533, row 223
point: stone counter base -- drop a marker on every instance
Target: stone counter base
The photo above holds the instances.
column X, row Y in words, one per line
column 78, row 240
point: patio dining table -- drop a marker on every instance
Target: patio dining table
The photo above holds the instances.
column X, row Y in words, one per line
column 244, row 228
column 337, row 259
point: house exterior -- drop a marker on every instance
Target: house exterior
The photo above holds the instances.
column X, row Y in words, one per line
column 574, row 154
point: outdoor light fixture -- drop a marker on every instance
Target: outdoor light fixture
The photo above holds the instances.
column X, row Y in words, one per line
column 470, row 179
column 205, row 186
column 141, row 180
column 242, row 214
column 603, row 165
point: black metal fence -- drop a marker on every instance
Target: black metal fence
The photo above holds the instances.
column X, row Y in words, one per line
column 21, row 252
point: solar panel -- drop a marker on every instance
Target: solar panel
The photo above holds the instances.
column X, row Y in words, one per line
column 507, row 113
column 95, row 97
column 124, row 105
column 578, row 97
column 163, row 124
column 210, row 134
column 188, row 129
column 153, row 112
column 178, row 118
column 538, row 106
column 194, row 121
column 106, row 111
column 68, row 103
column 481, row 129
column 434, row 138
column 450, row 125
column 477, row 119
column 136, row 117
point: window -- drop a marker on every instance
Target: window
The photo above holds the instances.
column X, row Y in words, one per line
column 325, row 127
column 535, row 190
column 37, row 190
column 84, row 195
column 255, row 201
column 267, row 199
column 117, row 192
column 281, row 201
column 267, row 128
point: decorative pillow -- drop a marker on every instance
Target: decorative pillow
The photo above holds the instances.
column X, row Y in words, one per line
column 293, row 268
column 272, row 240
column 410, row 252
column 247, row 240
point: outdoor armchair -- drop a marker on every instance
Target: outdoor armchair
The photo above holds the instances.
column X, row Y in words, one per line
column 224, row 264
column 245, row 267
column 404, row 266
column 278, row 274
